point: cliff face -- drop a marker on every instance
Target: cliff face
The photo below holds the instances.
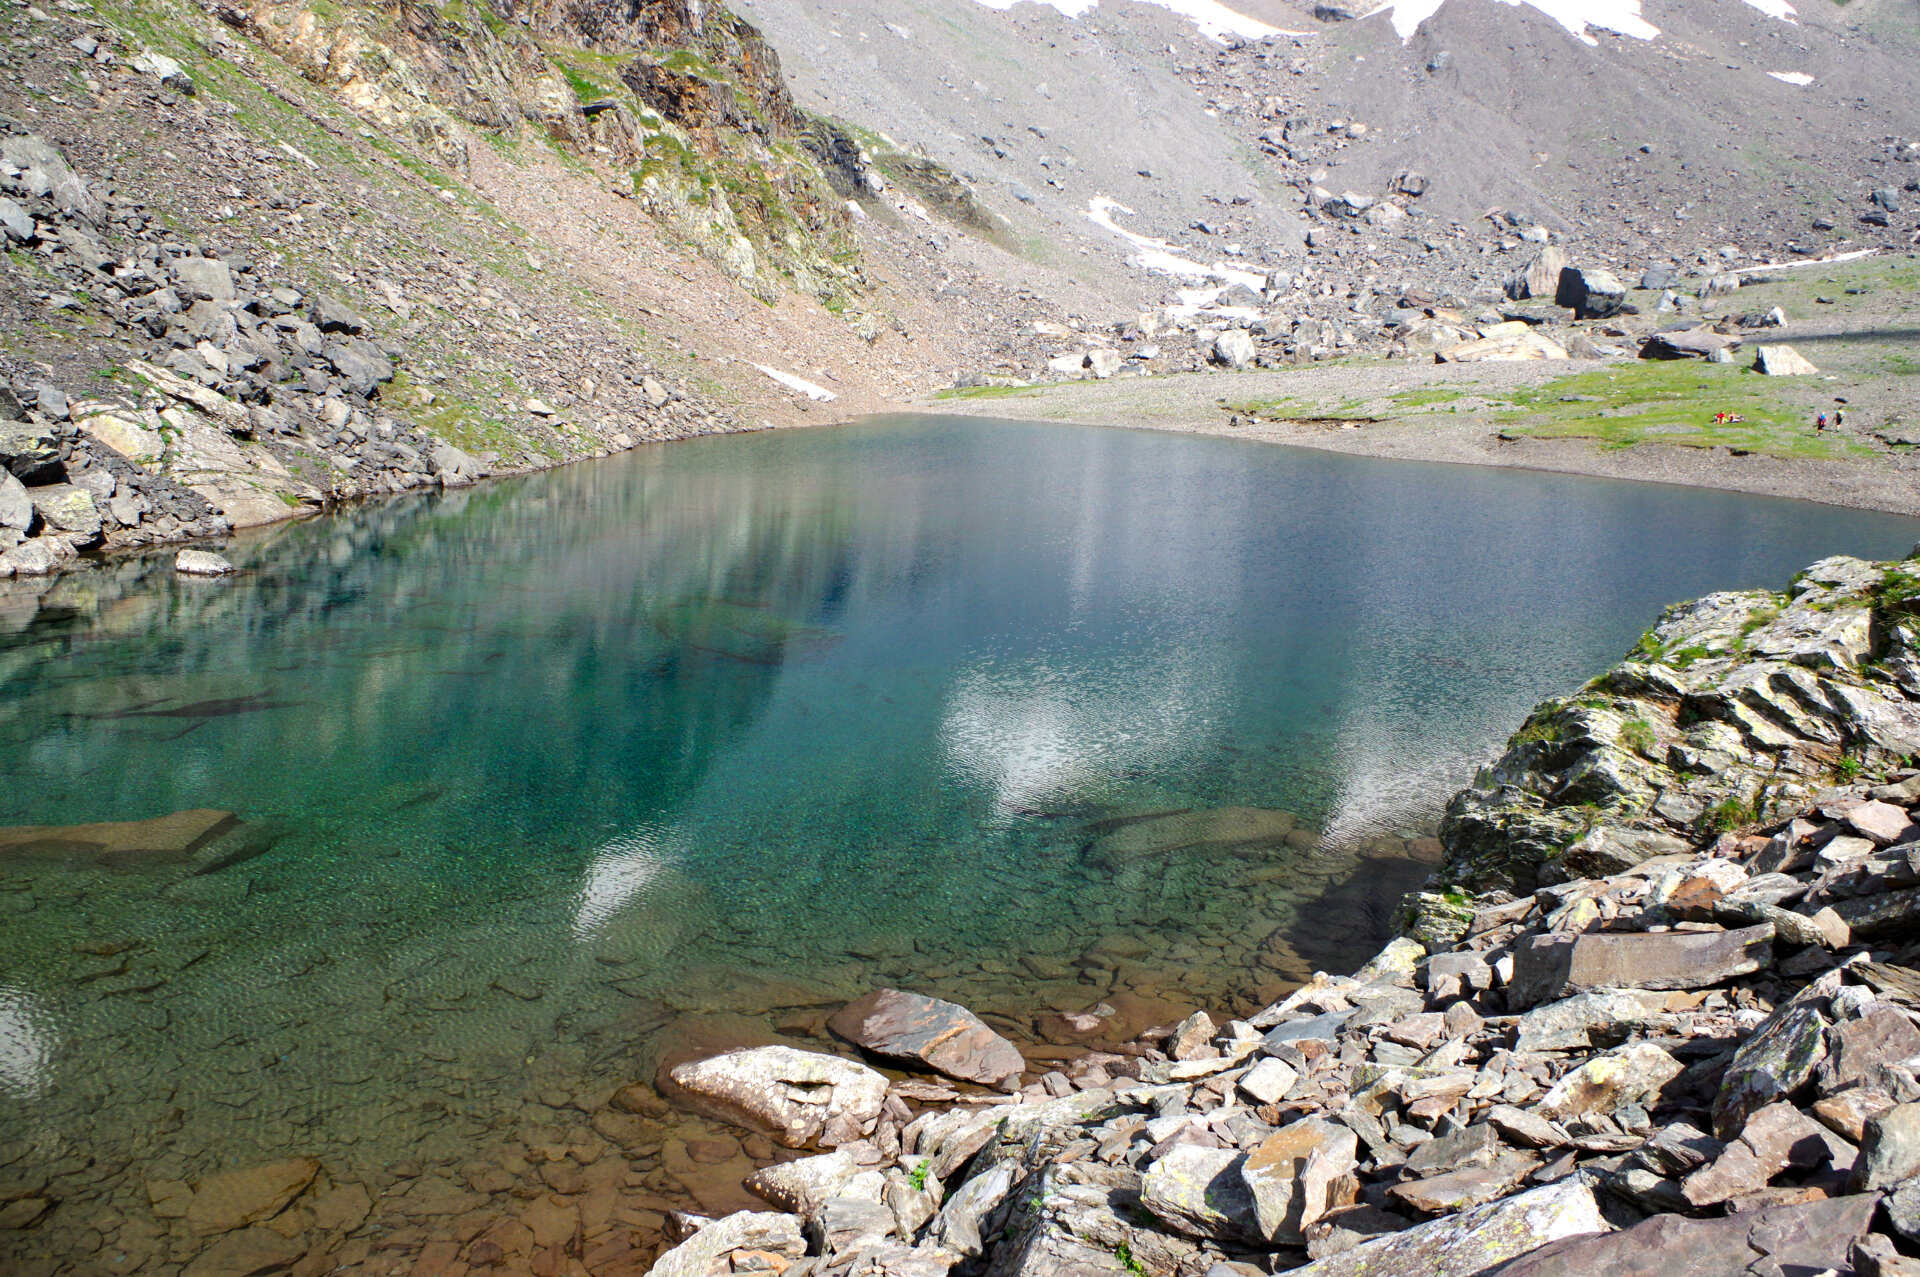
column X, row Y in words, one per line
column 1734, row 708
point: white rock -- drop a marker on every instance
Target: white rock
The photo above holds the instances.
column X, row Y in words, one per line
column 201, row 563
column 793, row 1095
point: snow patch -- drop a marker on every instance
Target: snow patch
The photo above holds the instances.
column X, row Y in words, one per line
column 1799, row 79
column 1162, row 258
column 1581, row 17
column 1577, row 16
column 1214, row 19
column 819, row 394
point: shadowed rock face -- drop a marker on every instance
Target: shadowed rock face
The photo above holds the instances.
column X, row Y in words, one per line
column 944, row 1036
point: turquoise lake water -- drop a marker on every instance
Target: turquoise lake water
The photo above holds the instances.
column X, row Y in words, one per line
column 739, row 727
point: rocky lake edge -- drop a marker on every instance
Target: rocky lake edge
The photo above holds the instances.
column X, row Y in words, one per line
column 1658, row 1007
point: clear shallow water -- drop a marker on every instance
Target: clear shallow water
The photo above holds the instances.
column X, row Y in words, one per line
column 690, row 745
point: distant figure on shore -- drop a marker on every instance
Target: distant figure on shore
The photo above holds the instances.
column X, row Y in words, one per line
column 1820, row 423
column 1839, row 418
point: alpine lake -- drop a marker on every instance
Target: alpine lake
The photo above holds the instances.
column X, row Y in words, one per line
column 459, row 812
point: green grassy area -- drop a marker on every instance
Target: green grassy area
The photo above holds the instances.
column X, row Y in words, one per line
column 1674, row 403
column 991, row 392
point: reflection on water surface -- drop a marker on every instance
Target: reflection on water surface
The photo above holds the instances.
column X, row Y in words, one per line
column 536, row 785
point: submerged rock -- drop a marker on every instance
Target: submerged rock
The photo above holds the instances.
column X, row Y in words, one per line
column 1159, row 835
column 166, row 839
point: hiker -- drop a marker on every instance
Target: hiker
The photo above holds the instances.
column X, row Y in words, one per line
column 1839, row 418
column 1820, row 424
column 1719, row 418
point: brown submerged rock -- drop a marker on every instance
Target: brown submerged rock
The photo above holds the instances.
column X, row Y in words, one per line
column 944, row 1036
column 164, row 838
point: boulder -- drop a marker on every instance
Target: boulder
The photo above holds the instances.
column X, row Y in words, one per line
column 1690, row 343
column 1629, row 1075
column 1541, row 277
column 944, row 1036
column 1805, row 1238
column 1507, row 347
column 1476, row 1241
column 16, row 507
column 1233, row 348
column 249, row 1253
column 1890, row 1149
column 330, row 315
column 1590, row 293
column 67, row 507
column 957, row 1226
column 802, row 1187
column 44, row 171
column 1135, row 840
column 205, row 276
column 1588, row 1020
column 1782, row 361
column 1202, row 1192
column 709, row 1251
column 454, row 466
column 792, row 1095
column 1549, row 967
column 1776, row 1061
column 1864, row 1051
column 30, row 558
column 1295, row 1176
column 168, row 839
column 201, row 563
column 30, row 453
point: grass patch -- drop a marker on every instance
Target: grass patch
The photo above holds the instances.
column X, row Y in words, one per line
column 987, row 392
column 1637, row 735
column 1672, row 402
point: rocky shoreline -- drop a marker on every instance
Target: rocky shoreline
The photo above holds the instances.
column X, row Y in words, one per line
column 1657, row 1010
column 225, row 395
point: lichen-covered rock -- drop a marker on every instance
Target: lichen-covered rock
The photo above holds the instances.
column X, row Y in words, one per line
column 1775, row 1062
column 1629, row 1075
column 1474, row 1241
column 1728, row 703
column 1202, row 1193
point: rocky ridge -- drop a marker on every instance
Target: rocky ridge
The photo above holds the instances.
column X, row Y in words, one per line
column 1696, row 1043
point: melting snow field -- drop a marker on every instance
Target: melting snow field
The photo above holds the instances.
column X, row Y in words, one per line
column 1214, row 19
column 1799, row 79
column 1578, row 16
column 1163, row 258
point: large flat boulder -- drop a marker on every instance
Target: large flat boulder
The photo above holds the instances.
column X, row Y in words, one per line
column 171, row 838
column 794, row 1096
column 1475, row 1241
column 1808, row 1238
column 1144, row 838
column 1556, row 965
column 944, row 1036
column 234, row 1199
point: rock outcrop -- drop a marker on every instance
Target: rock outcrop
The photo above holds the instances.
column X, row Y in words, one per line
column 1734, row 708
